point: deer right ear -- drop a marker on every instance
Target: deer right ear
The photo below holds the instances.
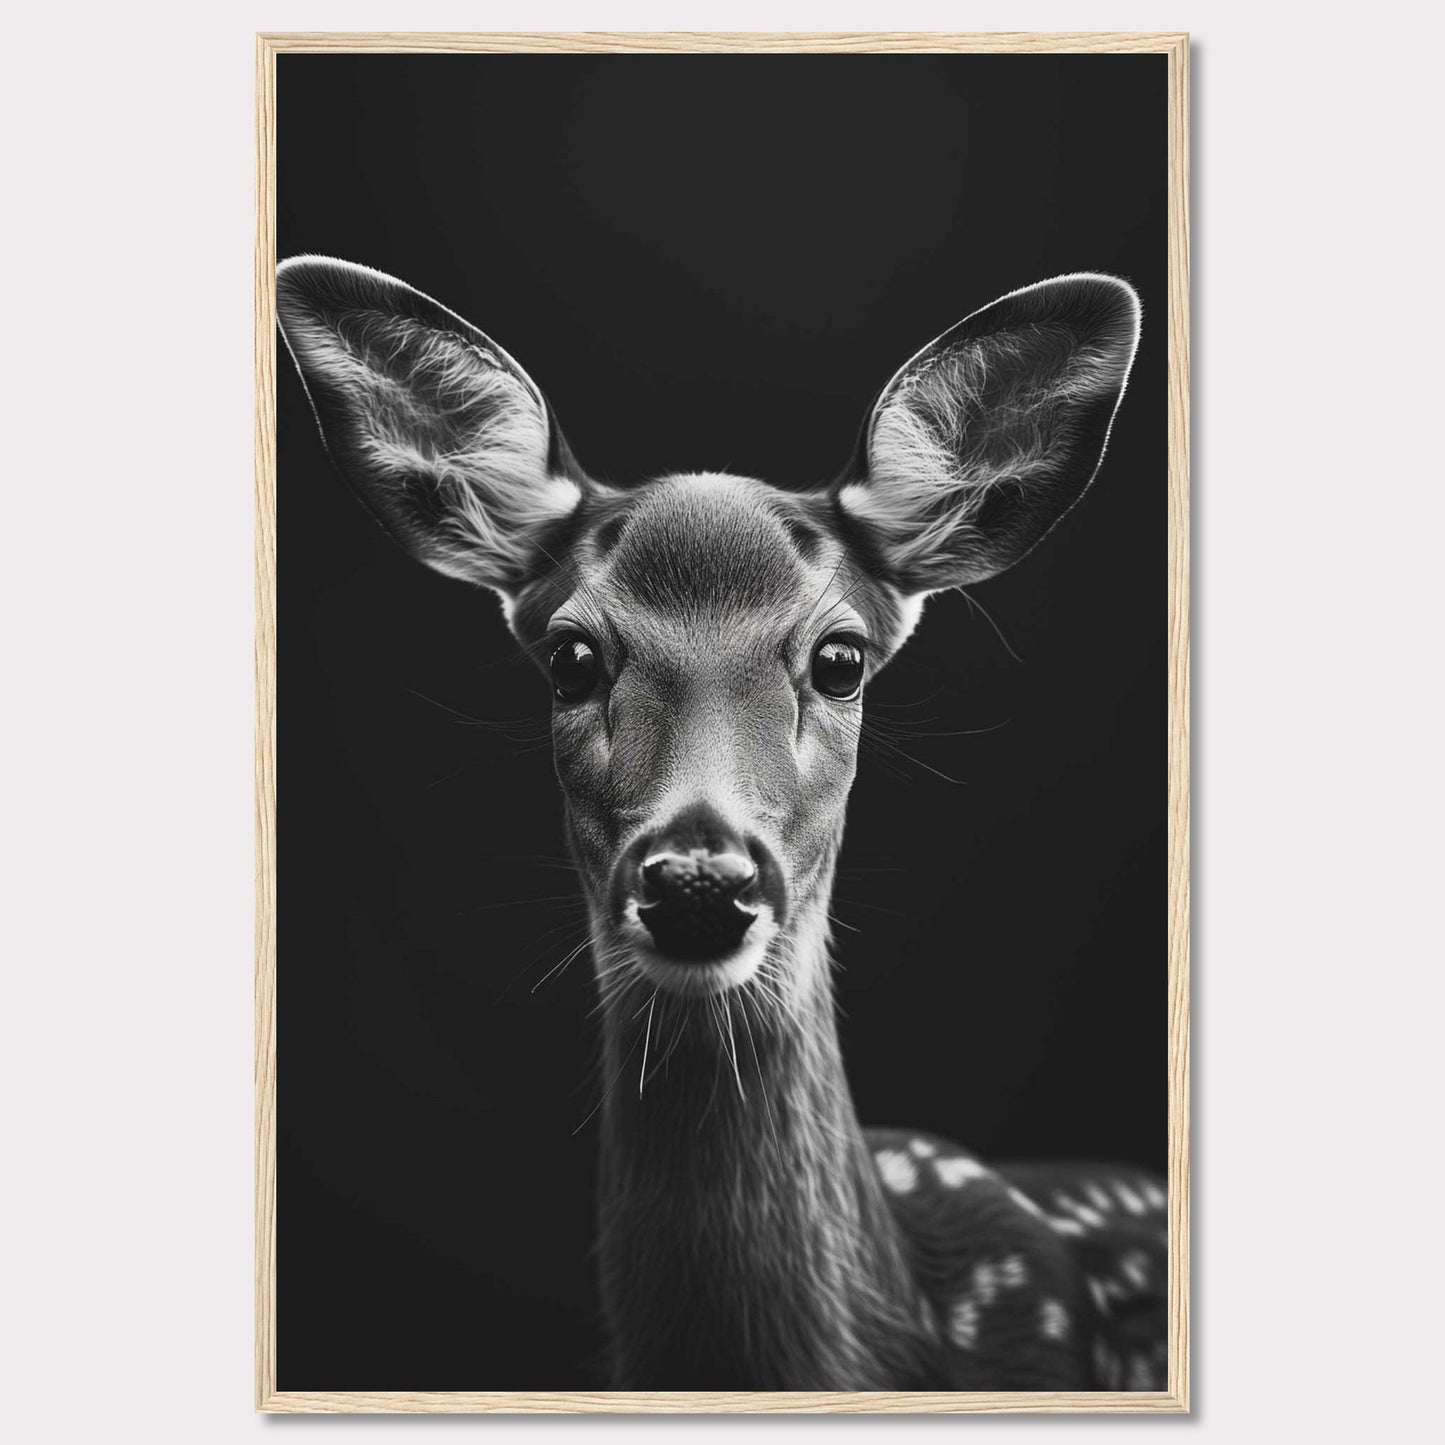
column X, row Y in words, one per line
column 985, row 438
column 444, row 437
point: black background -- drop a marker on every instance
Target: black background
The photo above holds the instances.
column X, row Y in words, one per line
column 706, row 262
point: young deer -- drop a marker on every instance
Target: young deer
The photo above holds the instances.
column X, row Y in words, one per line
column 708, row 640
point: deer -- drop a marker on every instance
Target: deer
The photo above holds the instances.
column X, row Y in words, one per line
column 708, row 640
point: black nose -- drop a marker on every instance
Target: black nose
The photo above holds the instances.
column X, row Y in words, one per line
column 694, row 902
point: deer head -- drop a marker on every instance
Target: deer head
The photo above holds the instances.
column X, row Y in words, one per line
column 708, row 638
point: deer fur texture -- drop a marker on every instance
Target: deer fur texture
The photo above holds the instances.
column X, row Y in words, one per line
column 751, row 1233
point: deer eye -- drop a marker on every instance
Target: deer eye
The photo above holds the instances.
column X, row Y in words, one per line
column 575, row 669
column 838, row 668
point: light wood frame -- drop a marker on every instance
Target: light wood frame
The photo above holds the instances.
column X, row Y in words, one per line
column 1173, row 1400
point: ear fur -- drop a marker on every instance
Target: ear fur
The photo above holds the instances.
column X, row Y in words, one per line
column 983, row 440
column 444, row 437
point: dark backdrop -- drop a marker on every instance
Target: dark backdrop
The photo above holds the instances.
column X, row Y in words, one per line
column 707, row 262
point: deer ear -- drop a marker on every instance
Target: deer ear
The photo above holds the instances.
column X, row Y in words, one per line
column 992, row 432
column 444, row 437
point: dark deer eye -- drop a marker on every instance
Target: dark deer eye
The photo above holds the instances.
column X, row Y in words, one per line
column 838, row 668
column 575, row 669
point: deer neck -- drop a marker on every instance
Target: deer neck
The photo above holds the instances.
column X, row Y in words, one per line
column 745, row 1241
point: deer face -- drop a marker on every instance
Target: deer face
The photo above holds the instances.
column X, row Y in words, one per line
column 707, row 639
column 707, row 649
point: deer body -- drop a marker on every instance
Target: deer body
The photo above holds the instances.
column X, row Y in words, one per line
column 708, row 638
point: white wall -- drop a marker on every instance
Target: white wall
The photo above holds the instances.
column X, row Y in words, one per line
column 126, row 570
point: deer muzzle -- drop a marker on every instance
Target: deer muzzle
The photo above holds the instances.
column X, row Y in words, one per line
column 698, row 885
column 694, row 904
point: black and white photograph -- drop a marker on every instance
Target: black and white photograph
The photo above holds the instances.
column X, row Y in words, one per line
column 722, row 717
column 721, row 721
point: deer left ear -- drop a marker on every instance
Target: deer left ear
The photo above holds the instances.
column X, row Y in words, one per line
column 443, row 436
column 985, row 438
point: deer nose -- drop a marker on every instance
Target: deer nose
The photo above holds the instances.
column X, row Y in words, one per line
column 694, row 903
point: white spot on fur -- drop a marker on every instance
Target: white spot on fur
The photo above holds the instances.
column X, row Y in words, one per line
column 1070, row 1227
column 1155, row 1197
column 1100, row 1292
column 899, row 1172
column 1141, row 1374
column 1135, row 1268
column 985, row 1284
column 1082, row 1212
column 988, row 1279
column 1013, row 1272
column 963, row 1324
column 1128, row 1198
column 1024, row 1202
column 922, row 1148
column 991, row 1277
column 1054, row 1322
column 955, row 1173
column 1097, row 1197
column 1106, row 1365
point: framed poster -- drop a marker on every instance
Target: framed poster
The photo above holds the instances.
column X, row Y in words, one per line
column 723, row 715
